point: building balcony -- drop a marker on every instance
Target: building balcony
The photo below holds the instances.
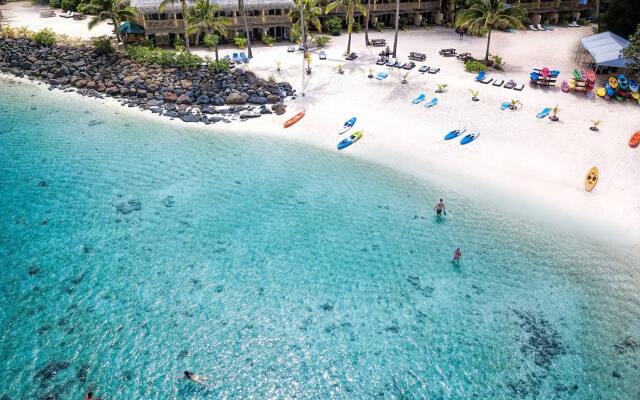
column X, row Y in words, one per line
column 166, row 26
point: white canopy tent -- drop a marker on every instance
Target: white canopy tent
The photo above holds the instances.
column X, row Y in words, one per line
column 604, row 49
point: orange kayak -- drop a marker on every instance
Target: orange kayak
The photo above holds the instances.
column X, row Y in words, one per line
column 635, row 139
column 294, row 119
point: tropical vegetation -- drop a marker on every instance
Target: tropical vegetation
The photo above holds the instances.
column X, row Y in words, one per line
column 632, row 52
column 350, row 7
column 183, row 9
column 45, row 37
column 483, row 16
column 203, row 18
column 109, row 10
column 243, row 14
column 311, row 12
column 333, row 26
column 167, row 58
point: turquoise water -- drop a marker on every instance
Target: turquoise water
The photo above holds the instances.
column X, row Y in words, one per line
column 132, row 250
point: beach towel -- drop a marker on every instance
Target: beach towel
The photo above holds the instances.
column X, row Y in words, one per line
column 505, row 105
column 431, row 103
column 381, row 76
column 420, row 98
column 543, row 113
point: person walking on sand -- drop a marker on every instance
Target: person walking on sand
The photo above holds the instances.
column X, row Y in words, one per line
column 456, row 256
column 440, row 208
column 461, row 33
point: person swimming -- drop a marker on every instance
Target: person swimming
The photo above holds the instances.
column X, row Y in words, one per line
column 89, row 396
column 456, row 256
column 440, row 208
column 193, row 377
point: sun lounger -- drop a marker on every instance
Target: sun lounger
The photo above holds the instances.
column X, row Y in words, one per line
column 67, row 14
column 243, row 57
column 417, row 56
column 393, row 63
column 547, row 27
column 424, row 69
column 378, row 42
column 574, row 24
column 487, row 80
column 498, row 83
column 448, row 52
column 431, row 103
column 532, row 28
column 351, row 57
column 291, row 49
column 433, row 70
column 543, row 113
column 381, row 61
column 510, row 85
column 540, row 28
column 322, row 55
column 236, row 59
column 381, row 76
column 420, row 98
column 401, row 65
column 519, row 87
column 505, row 105
column 481, row 76
column 409, row 65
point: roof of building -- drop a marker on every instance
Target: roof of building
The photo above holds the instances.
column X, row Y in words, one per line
column 150, row 6
column 606, row 49
column 129, row 27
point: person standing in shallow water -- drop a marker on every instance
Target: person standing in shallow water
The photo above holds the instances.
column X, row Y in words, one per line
column 456, row 256
column 89, row 396
column 440, row 209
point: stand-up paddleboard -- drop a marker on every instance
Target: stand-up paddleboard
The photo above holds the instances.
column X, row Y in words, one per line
column 431, row 103
column 591, row 179
column 634, row 140
column 347, row 125
column 454, row 134
column 420, row 98
column 294, row 119
column 505, row 105
column 470, row 138
column 350, row 140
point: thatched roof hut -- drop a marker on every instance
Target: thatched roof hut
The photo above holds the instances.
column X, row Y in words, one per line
column 152, row 6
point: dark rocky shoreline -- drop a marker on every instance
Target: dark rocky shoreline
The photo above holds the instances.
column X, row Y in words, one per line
column 197, row 95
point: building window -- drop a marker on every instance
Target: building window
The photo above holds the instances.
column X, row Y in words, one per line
column 178, row 15
column 152, row 17
column 164, row 17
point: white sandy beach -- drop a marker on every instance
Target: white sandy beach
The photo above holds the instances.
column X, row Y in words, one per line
column 531, row 167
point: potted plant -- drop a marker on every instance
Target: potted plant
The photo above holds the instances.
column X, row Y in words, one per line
column 340, row 70
column 594, row 125
column 370, row 76
column 279, row 66
column 474, row 94
column 404, row 78
column 554, row 114
column 442, row 87
column 515, row 105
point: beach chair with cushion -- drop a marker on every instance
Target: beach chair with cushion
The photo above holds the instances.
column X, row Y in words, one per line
column 505, row 105
column 79, row 17
column 393, row 63
column 378, row 42
column 381, row 76
column 433, row 70
column 243, row 57
column 540, row 28
column 322, row 55
column 424, row 68
column 401, row 65
column 409, row 65
column 382, row 61
column 228, row 59
column 532, row 28
column 417, row 56
column 291, row 49
column 498, row 83
column 519, row 87
column 574, row 24
column 547, row 27
column 510, row 85
column 236, row 59
column 47, row 13
column 543, row 113
column 487, row 80
column 352, row 56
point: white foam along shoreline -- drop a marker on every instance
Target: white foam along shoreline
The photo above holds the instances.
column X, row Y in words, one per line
column 526, row 166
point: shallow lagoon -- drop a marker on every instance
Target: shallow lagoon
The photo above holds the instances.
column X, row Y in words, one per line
column 132, row 250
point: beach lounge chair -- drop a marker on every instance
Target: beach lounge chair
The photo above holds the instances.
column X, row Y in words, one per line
column 433, row 70
column 417, row 56
column 236, row 59
column 574, row 24
column 540, row 28
column 381, row 61
column 498, row 83
column 481, row 76
column 505, row 105
column 420, row 98
column 378, row 42
column 510, row 85
column 519, row 87
column 543, row 113
column 401, row 65
column 381, row 76
column 532, row 28
column 487, row 80
column 424, row 68
column 547, row 27
column 291, row 49
column 243, row 57
column 352, row 56
column 409, row 65
column 431, row 103
column 393, row 63
column 322, row 55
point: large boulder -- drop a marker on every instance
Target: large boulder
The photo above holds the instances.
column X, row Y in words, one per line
column 272, row 99
column 203, row 99
column 279, row 108
column 183, row 99
column 235, row 98
column 258, row 100
column 80, row 83
column 168, row 96
column 111, row 90
column 217, row 101
column 190, row 118
column 62, row 71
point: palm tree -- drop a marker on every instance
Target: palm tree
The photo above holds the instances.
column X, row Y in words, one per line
column 366, row 21
column 350, row 6
column 483, row 16
column 202, row 18
column 185, row 13
column 395, row 37
column 109, row 10
column 311, row 11
column 246, row 27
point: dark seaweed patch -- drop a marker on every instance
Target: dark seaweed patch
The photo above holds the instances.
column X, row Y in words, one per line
column 129, row 207
column 326, row 307
column 33, row 270
column 81, row 374
column 51, row 370
column 426, row 291
column 627, row 344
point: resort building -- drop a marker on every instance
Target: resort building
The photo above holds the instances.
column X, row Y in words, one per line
column 271, row 17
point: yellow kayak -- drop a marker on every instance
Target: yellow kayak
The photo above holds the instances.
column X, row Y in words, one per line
column 601, row 92
column 572, row 84
column 613, row 82
column 591, row 179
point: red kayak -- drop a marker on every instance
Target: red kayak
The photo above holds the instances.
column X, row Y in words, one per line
column 635, row 139
column 294, row 119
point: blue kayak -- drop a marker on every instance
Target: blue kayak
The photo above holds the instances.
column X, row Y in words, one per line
column 350, row 140
column 347, row 125
column 454, row 134
column 470, row 138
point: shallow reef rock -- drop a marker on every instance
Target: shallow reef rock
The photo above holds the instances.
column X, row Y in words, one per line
column 149, row 87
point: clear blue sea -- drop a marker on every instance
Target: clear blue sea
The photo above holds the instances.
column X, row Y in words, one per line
column 132, row 250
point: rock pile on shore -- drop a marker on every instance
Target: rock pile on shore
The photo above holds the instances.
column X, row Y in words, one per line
column 191, row 95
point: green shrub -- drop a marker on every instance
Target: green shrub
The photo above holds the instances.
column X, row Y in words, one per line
column 69, row 5
column 474, row 66
column 45, row 37
column 240, row 41
column 563, row 22
column 218, row 66
column 268, row 40
column 54, row 3
column 146, row 42
column 497, row 61
column 333, row 26
column 102, row 45
column 211, row 40
column 403, row 21
column 295, row 35
column 357, row 28
column 167, row 58
column 322, row 40
column 584, row 22
column 378, row 26
column 178, row 44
